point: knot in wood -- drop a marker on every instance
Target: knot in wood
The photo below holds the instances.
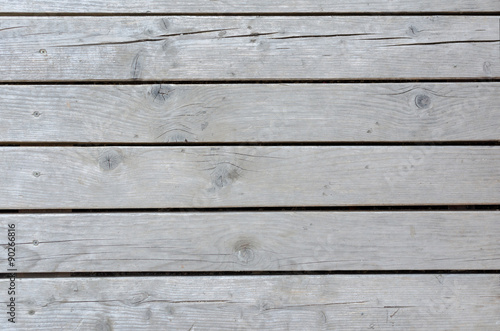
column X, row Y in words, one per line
column 487, row 68
column 224, row 174
column 160, row 92
column 103, row 326
column 244, row 252
column 109, row 160
column 137, row 298
column 422, row 101
column 413, row 31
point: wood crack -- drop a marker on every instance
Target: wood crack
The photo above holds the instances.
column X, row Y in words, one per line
column 79, row 301
column 318, row 305
column 192, row 301
column 13, row 27
column 447, row 42
column 114, row 42
column 163, row 37
column 325, row 35
column 195, row 32
column 252, row 35
column 386, row 38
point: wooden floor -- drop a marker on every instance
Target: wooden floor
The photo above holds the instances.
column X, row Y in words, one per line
column 250, row 165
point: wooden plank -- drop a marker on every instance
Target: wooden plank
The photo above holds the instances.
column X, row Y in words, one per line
column 239, row 241
column 275, row 113
column 325, row 302
column 249, row 6
column 186, row 48
column 162, row 177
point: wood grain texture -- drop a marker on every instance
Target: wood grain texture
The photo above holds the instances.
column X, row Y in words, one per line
column 247, row 241
column 250, row 113
column 249, row 6
column 328, row 302
column 191, row 48
column 161, row 177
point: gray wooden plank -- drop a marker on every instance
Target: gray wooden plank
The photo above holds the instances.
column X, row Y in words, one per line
column 243, row 241
column 321, row 302
column 161, row 177
column 186, row 48
column 249, row 6
column 250, row 113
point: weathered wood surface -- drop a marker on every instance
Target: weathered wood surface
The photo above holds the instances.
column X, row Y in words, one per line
column 250, row 113
column 161, row 177
column 335, row 302
column 191, row 48
column 265, row 241
column 249, row 6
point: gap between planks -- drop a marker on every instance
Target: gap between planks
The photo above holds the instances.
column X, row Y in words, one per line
column 251, row 273
column 263, row 209
column 252, row 14
column 457, row 80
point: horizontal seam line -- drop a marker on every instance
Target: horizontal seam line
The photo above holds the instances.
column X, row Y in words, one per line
column 254, row 81
column 298, row 208
column 52, row 144
column 253, row 13
column 254, row 273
